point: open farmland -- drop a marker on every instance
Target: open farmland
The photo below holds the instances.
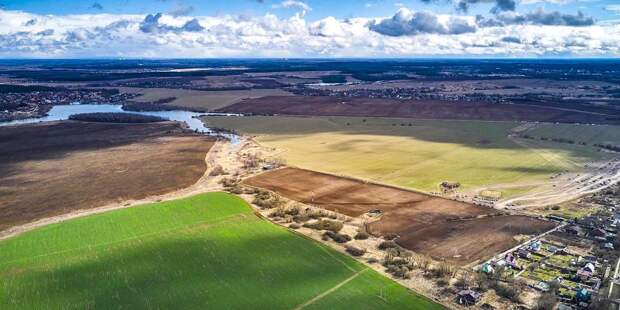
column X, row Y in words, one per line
column 417, row 154
column 55, row 168
column 444, row 229
column 418, row 109
column 199, row 100
column 206, row 251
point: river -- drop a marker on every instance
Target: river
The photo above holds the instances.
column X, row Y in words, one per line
column 62, row 112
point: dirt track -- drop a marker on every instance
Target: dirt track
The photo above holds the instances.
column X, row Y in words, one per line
column 422, row 109
column 444, row 229
column 56, row 168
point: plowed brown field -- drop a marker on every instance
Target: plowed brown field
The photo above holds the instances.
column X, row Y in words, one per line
column 52, row 169
column 444, row 229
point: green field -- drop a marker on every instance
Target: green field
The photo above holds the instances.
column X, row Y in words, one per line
column 204, row 252
column 417, row 154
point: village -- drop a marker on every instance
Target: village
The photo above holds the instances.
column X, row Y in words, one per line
column 29, row 102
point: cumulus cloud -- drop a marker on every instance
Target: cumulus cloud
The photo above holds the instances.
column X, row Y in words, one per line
column 151, row 24
column 406, row 22
column 500, row 5
column 293, row 4
column 537, row 17
column 96, row 6
column 405, row 34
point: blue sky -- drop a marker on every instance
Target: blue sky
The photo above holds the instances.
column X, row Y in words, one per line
column 309, row 28
column 320, row 8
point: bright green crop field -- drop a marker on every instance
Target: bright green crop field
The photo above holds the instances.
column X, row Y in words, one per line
column 418, row 154
column 204, row 252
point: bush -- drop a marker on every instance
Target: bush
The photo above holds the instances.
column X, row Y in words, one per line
column 340, row 238
column 217, row 170
column 325, row 224
column 355, row 251
column 390, row 236
column 361, row 236
column 294, row 226
column 546, row 301
column 372, row 260
column 387, row 245
column 555, row 208
column 509, row 291
column 444, row 269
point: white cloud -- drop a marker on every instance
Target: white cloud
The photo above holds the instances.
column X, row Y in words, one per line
column 92, row 35
column 615, row 8
column 293, row 4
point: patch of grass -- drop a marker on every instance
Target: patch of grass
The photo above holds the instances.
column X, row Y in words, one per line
column 420, row 156
column 207, row 251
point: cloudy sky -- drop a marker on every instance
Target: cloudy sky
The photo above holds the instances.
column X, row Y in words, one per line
column 310, row 28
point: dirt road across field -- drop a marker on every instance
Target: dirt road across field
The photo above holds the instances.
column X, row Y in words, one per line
column 455, row 231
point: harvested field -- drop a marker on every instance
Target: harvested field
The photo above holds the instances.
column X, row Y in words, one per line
column 374, row 107
column 444, row 229
column 51, row 169
column 198, row 100
column 416, row 154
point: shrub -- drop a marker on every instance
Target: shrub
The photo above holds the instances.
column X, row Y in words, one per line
column 229, row 182
column 387, row 245
column 546, row 301
column 361, row 236
column 355, row 251
column 294, row 226
column 555, row 208
column 444, row 269
column 390, row 236
column 340, row 238
column 217, row 170
column 325, row 224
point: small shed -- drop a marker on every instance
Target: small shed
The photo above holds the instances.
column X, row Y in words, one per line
column 468, row 297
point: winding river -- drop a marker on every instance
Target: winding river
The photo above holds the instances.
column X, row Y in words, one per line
column 62, row 112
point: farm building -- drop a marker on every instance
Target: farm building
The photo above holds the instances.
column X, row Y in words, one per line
column 468, row 297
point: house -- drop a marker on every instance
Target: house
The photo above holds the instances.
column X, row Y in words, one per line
column 583, row 295
column 487, row 268
column 511, row 261
column 468, row 297
column 586, row 272
column 534, row 246
column 542, row 286
column 574, row 230
column 523, row 253
column 599, row 232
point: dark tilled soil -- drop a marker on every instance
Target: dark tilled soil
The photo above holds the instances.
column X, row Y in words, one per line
column 421, row 109
column 55, row 168
column 444, row 229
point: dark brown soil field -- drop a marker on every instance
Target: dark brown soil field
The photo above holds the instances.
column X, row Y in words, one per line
column 374, row 107
column 55, row 168
column 444, row 229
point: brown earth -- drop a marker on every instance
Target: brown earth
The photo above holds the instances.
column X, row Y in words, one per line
column 51, row 169
column 444, row 229
column 421, row 109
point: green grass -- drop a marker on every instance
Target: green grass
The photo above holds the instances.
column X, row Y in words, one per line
column 205, row 252
column 592, row 134
column 420, row 156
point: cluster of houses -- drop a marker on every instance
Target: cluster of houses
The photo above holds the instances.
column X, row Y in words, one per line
column 583, row 270
column 601, row 229
column 29, row 104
